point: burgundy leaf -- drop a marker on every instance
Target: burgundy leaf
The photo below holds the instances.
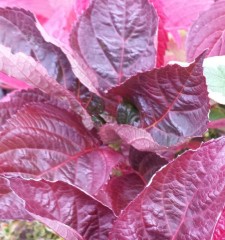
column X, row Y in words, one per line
column 16, row 100
column 63, row 128
column 105, row 37
column 208, row 32
column 12, row 207
column 136, row 137
column 146, row 163
column 173, row 152
column 123, row 189
column 26, row 69
column 43, row 141
column 16, row 34
column 219, row 231
column 183, row 200
column 67, row 204
column 172, row 102
column 36, row 43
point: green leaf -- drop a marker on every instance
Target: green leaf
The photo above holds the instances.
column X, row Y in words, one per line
column 214, row 71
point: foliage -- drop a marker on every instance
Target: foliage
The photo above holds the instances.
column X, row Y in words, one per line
column 101, row 137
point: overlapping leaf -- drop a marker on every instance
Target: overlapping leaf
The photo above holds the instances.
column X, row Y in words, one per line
column 136, row 137
column 146, row 163
column 11, row 206
column 26, row 69
column 16, row 100
column 16, row 35
column 34, row 42
column 116, row 40
column 172, row 101
column 67, row 204
column 43, row 141
column 208, row 32
column 183, row 201
column 129, row 186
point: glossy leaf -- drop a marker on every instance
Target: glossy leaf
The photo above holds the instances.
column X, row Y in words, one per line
column 65, row 203
column 123, row 189
column 26, row 69
column 207, row 32
column 183, row 201
column 36, row 43
column 12, row 207
column 44, row 142
column 16, row 100
column 146, row 163
column 105, row 37
column 130, row 135
column 171, row 100
column 16, row 35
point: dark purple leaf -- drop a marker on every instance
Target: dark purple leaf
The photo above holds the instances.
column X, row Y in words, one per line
column 183, row 201
column 123, row 189
column 172, row 102
column 43, row 141
column 16, row 100
column 19, row 32
column 130, row 135
column 146, row 163
column 208, row 32
column 62, row 130
column 26, row 69
column 67, row 204
column 33, row 42
column 12, row 207
column 116, row 40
